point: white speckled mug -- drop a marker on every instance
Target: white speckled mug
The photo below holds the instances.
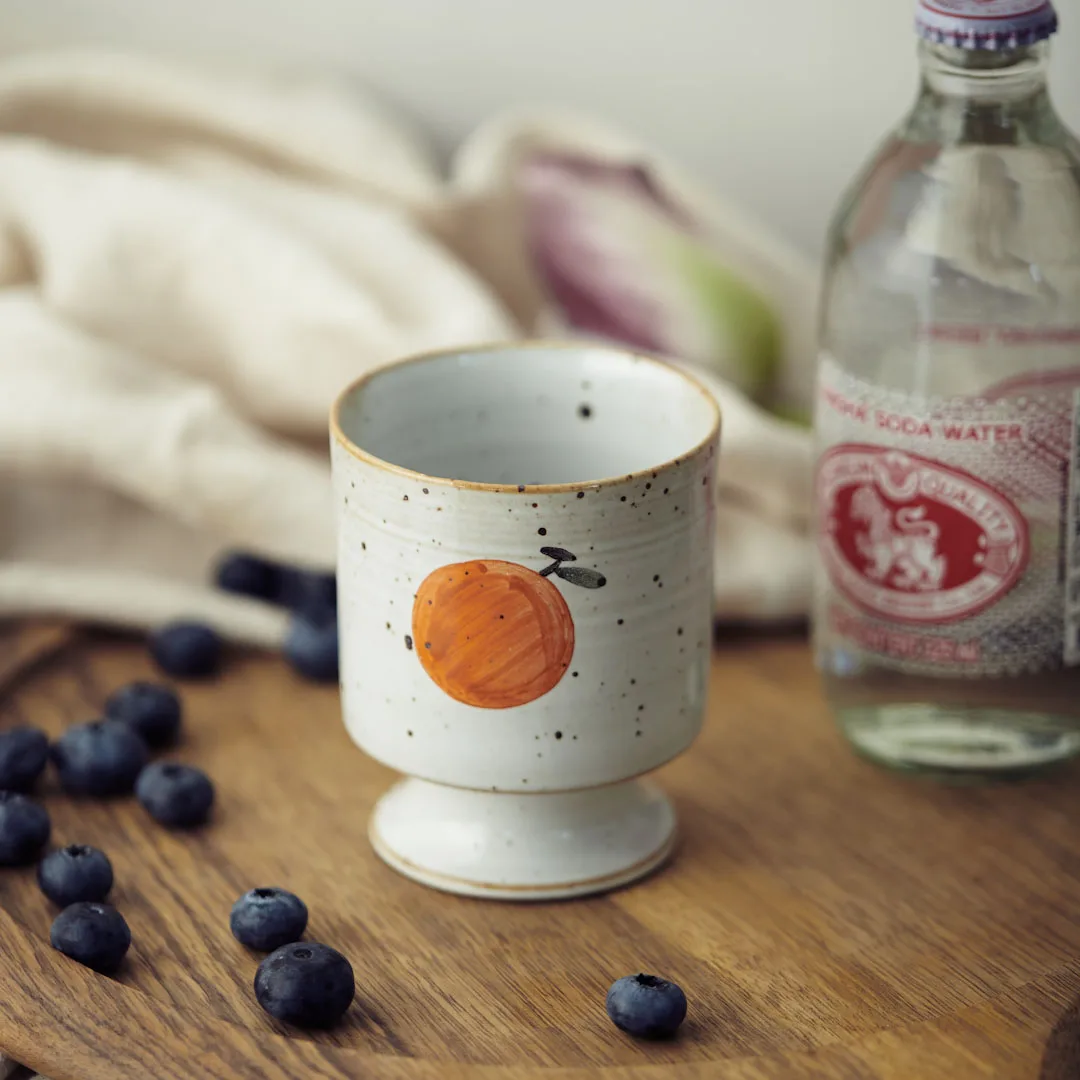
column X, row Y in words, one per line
column 526, row 536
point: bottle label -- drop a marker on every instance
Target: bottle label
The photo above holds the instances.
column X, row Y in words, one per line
column 949, row 528
column 985, row 24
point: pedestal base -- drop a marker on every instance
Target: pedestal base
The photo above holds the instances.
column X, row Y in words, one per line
column 523, row 847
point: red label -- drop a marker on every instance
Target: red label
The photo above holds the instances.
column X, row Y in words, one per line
column 948, row 527
column 914, row 540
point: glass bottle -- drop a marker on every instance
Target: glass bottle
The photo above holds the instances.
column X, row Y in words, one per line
column 947, row 597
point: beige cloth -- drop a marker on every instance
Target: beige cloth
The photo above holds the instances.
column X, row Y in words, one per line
column 193, row 262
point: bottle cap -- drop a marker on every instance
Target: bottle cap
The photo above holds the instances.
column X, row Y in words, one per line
column 985, row 24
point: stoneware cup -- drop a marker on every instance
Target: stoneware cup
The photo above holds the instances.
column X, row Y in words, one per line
column 524, row 576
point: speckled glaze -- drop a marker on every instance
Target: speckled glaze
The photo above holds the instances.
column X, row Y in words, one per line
column 487, row 670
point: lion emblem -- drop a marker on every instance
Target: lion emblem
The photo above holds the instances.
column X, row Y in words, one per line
column 901, row 548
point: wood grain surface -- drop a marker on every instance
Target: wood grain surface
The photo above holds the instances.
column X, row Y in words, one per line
column 826, row 919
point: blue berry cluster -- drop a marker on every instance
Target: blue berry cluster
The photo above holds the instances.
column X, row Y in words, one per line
column 311, row 642
column 186, row 649
column 302, row 983
column 100, row 759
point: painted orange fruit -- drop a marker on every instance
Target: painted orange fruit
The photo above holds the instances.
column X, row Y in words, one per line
column 496, row 634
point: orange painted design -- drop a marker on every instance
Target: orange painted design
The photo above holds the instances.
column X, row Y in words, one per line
column 492, row 634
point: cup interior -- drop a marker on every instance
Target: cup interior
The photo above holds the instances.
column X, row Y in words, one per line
column 533, row 414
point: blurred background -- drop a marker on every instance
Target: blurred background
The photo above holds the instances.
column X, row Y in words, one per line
column 208, row 228
column 776, row 105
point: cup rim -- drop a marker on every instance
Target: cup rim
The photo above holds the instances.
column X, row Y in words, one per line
column 358, row 452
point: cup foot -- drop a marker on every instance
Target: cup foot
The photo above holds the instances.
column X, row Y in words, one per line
column 523, row 847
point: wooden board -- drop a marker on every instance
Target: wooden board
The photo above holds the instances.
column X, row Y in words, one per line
column 825, row 918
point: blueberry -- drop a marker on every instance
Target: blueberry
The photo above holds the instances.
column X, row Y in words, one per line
column 311, row 646
column 24, row 829
column 99, row 759
column 186, row 649
column 266, row 919
column 646, row 1006
column 305, row 984
column 23, row 754
column 249, row 575
column 151, row 709
column 73, row 873
column 309, row 593
column 179, row 796
column 94, row 934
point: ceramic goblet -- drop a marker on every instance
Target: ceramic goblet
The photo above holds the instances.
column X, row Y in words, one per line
column 524, row 576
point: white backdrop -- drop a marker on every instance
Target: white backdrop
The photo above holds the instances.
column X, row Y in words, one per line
column 775, row 103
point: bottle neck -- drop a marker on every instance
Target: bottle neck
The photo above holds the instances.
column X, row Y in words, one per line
column 1009, row 75
column 977, row 96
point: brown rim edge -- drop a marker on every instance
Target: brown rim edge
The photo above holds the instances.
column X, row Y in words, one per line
column 362, row 455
